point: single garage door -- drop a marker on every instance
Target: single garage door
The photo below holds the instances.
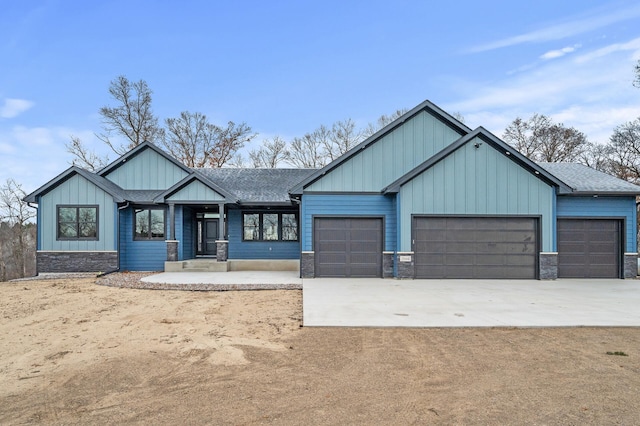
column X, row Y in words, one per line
column 589, row 248
column 475, row 247
column 348, row 247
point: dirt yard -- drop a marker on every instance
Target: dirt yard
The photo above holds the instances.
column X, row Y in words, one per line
column 73, row 352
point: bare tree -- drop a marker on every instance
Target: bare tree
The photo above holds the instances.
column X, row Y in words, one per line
column 540, row 139
column 229, row 140
column 625, row 151
column 597, row 156
column 382, row 121
column 16, row 217
column 132, row 118
column 190, row 138
column 270, row 154
column 342, row 137
column 307, row 152
column 83, row 157
column 636, row 69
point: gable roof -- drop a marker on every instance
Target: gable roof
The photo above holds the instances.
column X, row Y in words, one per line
column 587, row 181
column 118, row 194
column 195, row 176
column 426, row 105
column 257, row 186
column 496, row 143
column 137, row 150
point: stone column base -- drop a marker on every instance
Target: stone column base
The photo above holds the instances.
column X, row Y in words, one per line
column 548, row 265
column 222, row 250
column 387, row 264
column 406, row 266
column 172, row 250
column 630, row 265
column 307, row 265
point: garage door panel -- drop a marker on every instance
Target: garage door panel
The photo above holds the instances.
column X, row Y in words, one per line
column 589, row 248
column 474, row 247
column 348, row 247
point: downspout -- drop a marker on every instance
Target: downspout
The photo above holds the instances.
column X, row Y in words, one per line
column 120, row 208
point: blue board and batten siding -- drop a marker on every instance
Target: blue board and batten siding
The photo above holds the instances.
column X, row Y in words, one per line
column 143, row 255
column 196, row 191
column 609, row 207
column 345, row 205
column 147, row 170
column 239, row 249
column 76, row 191
column 389, row 158
column 187, row 234
column 477, row 181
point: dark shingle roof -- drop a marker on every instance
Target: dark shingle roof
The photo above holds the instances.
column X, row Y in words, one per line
column 142, row 195
column 257, row 185
column 584, row 179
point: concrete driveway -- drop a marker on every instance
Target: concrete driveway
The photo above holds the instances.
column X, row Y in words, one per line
column 470, row 303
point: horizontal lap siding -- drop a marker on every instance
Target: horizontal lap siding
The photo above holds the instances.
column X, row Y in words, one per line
column 239, row 249
column 139, row 255
column 345, row 206
column 623, row 207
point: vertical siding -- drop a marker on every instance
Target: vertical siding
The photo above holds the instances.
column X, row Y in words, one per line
column 239, row 249
column 139, row 255
column 77, row 191
column 623, row 207
column 390, row 157
column 477, row 181
column 348, row 205
column 147, row 170
column 196, row 191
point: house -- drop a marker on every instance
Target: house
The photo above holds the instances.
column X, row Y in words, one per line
column 424, row 197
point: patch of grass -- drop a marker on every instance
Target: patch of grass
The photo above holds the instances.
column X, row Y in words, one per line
column 619, row 353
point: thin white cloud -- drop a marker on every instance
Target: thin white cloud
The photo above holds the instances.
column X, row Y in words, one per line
column 553, row 54
column 14, row 107
column 591, row 92
column 596, row 20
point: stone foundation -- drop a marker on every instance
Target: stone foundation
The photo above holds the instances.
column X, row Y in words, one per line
column 405, row 262
column 387, row 264
column 307, row 265
column 548, row 266
column 630, row 265
column 222, row 250
column 172, row 250
column 77, row 261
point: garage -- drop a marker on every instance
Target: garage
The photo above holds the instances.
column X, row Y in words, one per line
column 589, row 248
column 475, row 247
column 348, row 247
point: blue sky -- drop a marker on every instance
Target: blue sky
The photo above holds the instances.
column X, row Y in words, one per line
column 286, row 67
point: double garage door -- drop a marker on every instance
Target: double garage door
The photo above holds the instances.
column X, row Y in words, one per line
column 475, row 247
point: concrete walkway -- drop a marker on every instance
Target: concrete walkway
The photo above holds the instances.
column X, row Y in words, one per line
column 470, row 303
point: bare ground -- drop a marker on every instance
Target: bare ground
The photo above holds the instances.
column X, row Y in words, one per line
column 73, row 352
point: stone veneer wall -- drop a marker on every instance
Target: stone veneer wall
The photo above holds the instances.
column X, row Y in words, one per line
column 387, row 264
column 630, row 265
column 77, row 261
column 222, row 250
column 307, row 265
column 406, row 267
column 548, row 266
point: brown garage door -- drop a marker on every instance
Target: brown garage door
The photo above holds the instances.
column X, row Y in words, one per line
column 589, row 248
column 348, row 247
column 475, row 247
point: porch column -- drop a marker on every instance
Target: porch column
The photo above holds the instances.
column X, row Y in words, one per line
column 172, row 221
column 221, row 221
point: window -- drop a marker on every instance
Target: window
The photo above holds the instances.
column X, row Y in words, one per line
column 77, row 222
column 149, row 224
column 270, row 226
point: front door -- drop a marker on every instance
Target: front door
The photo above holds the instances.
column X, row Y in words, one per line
column 209, row 237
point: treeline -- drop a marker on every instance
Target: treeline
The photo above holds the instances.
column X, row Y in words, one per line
column 17, row 251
